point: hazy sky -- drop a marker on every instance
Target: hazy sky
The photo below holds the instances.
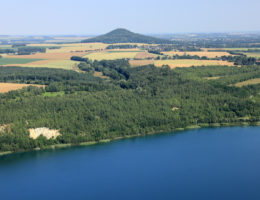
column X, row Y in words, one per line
column 41, row 17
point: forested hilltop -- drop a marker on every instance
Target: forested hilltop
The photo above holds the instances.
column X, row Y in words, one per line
column 124, row 36
column 125, row 101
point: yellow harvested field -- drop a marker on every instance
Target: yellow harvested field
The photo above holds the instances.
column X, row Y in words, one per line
column 190, row 62
column 145, row 55
column 7, row 87
column 136, row 63
column 104, row 55
column 57, row 64
column 66, row 48
column 248, row 82
column 198, row 53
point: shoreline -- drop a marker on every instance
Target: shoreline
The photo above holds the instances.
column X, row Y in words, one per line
column 176, row 130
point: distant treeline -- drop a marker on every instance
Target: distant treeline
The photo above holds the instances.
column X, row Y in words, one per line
column 122, row 46
column 18, row 45
column 155, row 52
column 24, row 50
column 170, row 47
column 240, row 60
column 237, row 60
column 7, row 51
column 30, row 50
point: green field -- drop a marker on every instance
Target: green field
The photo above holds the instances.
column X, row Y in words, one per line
column 253, row 54
column 9, row 61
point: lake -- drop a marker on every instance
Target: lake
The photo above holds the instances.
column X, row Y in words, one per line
column 210, row 163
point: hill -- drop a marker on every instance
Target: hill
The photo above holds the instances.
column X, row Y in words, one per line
column 125, row 36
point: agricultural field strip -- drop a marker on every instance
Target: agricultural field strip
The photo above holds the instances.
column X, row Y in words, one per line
column 190, row 62
column 7, row 61
column 248, row 82
column 198, row 53
column 7, row 87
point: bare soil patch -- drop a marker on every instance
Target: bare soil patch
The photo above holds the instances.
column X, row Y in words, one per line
column 46, row 132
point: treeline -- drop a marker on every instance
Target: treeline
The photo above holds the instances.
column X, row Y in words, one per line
column 18, row 45
column 30, row 50
column 240, row 60
column 188, row 48
column 169, row 47
column 237, row 60
column 23, row 50
column 122, row 46
column 155, row 52
column 7, row 51
column 226, row 41
column 80, row 59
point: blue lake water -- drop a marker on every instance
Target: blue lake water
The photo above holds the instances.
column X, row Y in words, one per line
column 212, row 164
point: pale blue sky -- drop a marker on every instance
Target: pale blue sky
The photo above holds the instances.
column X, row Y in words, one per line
column 40, row 17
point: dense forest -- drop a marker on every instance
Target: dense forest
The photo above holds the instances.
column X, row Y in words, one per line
column 131, row 101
